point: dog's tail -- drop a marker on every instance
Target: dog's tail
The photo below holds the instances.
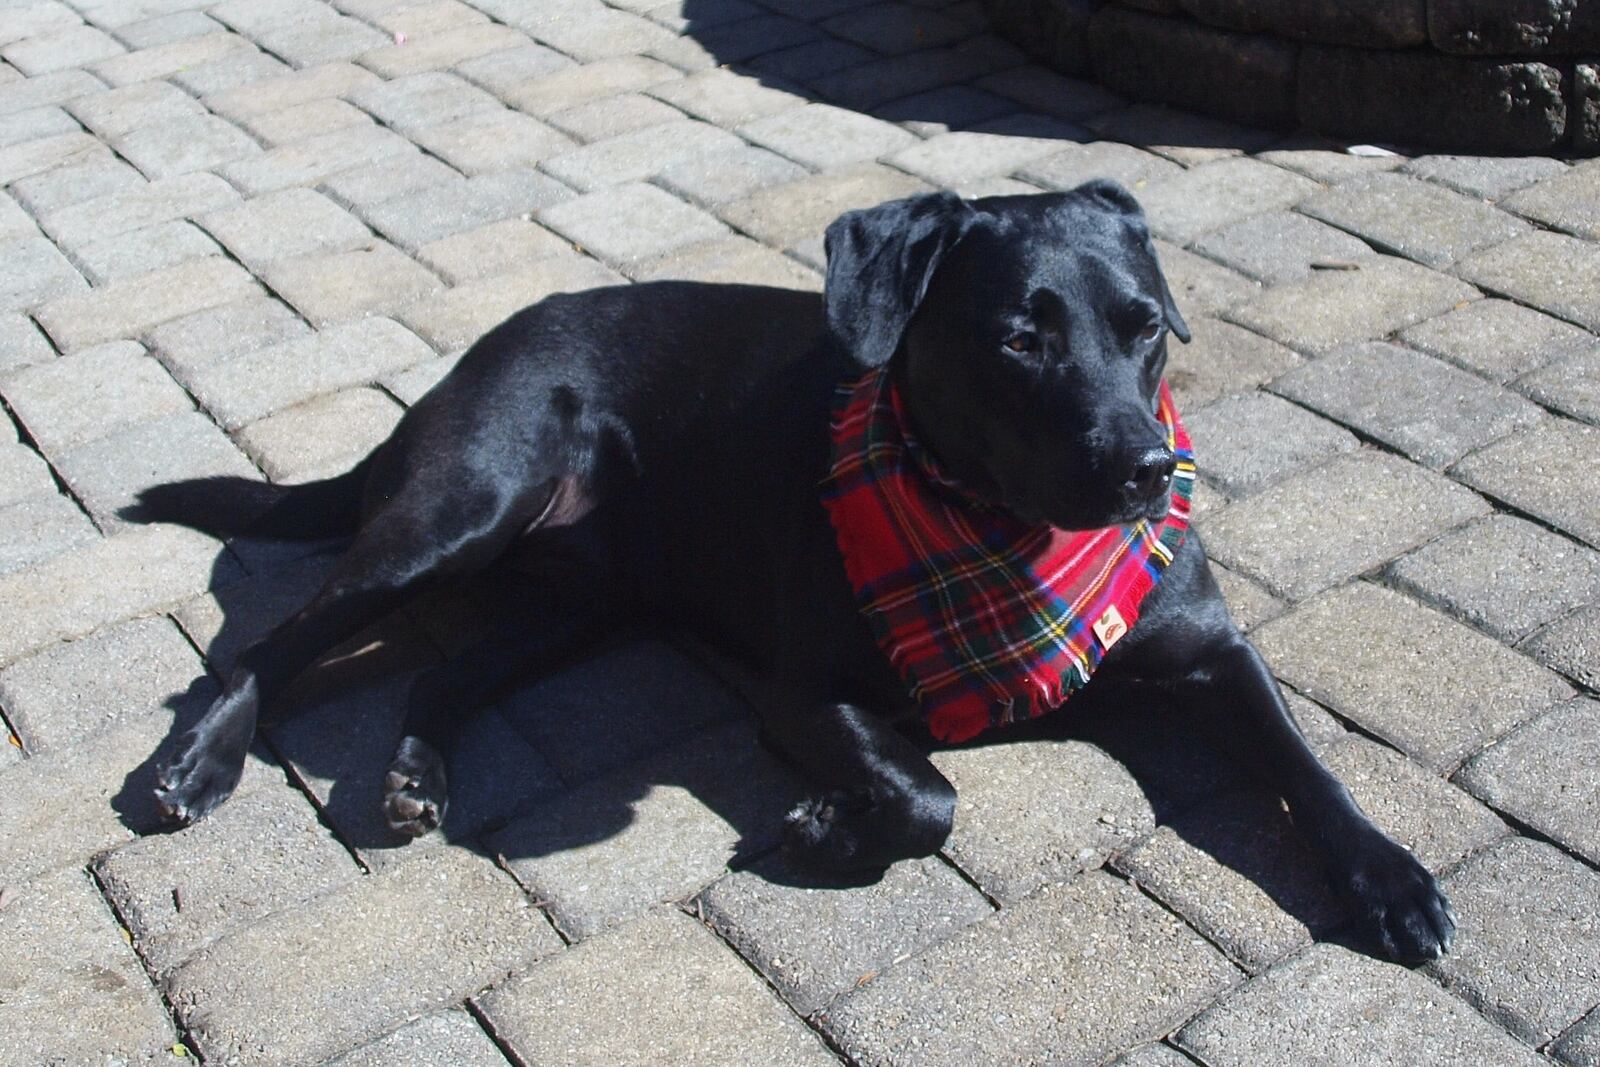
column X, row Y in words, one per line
column 240, row 507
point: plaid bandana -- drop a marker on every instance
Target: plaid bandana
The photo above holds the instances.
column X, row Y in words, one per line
column 988, row 619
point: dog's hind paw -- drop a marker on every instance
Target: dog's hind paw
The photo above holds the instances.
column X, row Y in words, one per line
column 1399, row 902
column 196, row 780
column 831, row 833
column 415, row 792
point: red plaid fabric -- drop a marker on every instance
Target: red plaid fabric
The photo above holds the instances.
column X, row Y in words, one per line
column 988, row 619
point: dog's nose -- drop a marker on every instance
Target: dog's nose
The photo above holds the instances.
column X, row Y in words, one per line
column 1149, row 473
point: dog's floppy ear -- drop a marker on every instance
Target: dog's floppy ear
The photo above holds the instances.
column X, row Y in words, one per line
column 1114, row 197
column 880, row 260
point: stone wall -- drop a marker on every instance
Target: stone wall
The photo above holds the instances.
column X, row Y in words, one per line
column 1499, row 76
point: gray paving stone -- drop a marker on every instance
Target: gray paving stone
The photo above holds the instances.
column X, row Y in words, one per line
column 1570, row 385
column 64, row 186
column 1571, row 646
column 452, row 320
column 315, row 159
column 1347, row 516
column 15, row 222
column 638, row 155
column 224, row 622
column 23, row 473
column 1335, row 307
column 499, row 72
column 489, row 141
column 1531, row 969
column 412, row 939
column 417, row 101
column 814, row 941
column 966, row 155
column 1536, row 469
column 1153, row 1055
column 1200, row 286
column 1220, row 360
column 1568, row 201
column 618, row 999
column 73, row 691
column 1180, row 136
column 1414, row 403
column 32, row 271
column 1496, row 338
column 135, row 207
column 1331, row 1006
column 726, row 175
column 1236, row 869
column 132, row 305
column 1032, row 813
column 232, row 71
column 806, row 62
column 1580, row 1046
column 441, row 50
column 288, row 223
column 164, row 29
column 497, row 248
column 324, row 40
column 1551, row 271
column 1281, row 246
column 953, row 107
column 76, row 46
column 613, row 116
column 823, row 136
column 892, row 29
column 1248, row 603
column 877, row 82
column 395, row 176
column 160, row 61
column 724, row 98
column 1375, row 673
column 218, row 333
column 1120, row 970
column 258, row 856
column 410, row 384
column 1049, row 93
column 121, row 111
column 629, row 222
column 784, row 215
column 249, row 387
column 32, row 20
column 105, row 581
column 730, row 260
column 452, row 1037
column 1413, row 218
column 108, row 474
column 693, row 807
column 311, row 119
column 439, row 210
column 72, row 985
column 21, row 344
column 89, row 394
column 49, row 89
column 128, row 255
column 180, row 146
column 1543, row 774
column 38, row 527
column 374, row 280
column 1486, row 177
column 1503, row 575
column 33, row 124
column 1251, row 440
column 321, row 437
column 1185, row 206
column 289, row 89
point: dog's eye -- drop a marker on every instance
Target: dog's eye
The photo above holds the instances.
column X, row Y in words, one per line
column 1021, row 342
column 1150, row 332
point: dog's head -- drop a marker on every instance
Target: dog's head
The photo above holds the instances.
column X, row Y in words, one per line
column 1030, row 334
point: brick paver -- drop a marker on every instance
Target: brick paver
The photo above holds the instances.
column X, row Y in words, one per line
column 243, row 236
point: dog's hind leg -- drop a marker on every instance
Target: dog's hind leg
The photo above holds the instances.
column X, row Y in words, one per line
column 422, row 532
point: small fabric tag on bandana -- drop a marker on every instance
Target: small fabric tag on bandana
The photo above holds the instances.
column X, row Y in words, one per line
column 988, row 619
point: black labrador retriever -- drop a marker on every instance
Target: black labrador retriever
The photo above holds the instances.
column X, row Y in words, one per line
column 655, row 451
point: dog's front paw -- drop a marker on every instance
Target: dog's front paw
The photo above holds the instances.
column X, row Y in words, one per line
column 415, row 792
column 196, row 780
column 1396, row 899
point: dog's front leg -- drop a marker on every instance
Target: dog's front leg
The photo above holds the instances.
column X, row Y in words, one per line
column 882, row 800
column 1394, row 895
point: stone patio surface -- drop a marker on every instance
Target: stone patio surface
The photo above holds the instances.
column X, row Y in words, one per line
column 240, row 237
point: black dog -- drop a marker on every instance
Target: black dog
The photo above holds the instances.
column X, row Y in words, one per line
column 655, row 451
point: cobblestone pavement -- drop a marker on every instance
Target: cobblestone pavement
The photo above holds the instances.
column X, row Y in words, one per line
column 240, row 237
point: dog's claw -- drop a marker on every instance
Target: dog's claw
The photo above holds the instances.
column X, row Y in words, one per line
column 195, row 781
column 415, row 792
column 1398, row 901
